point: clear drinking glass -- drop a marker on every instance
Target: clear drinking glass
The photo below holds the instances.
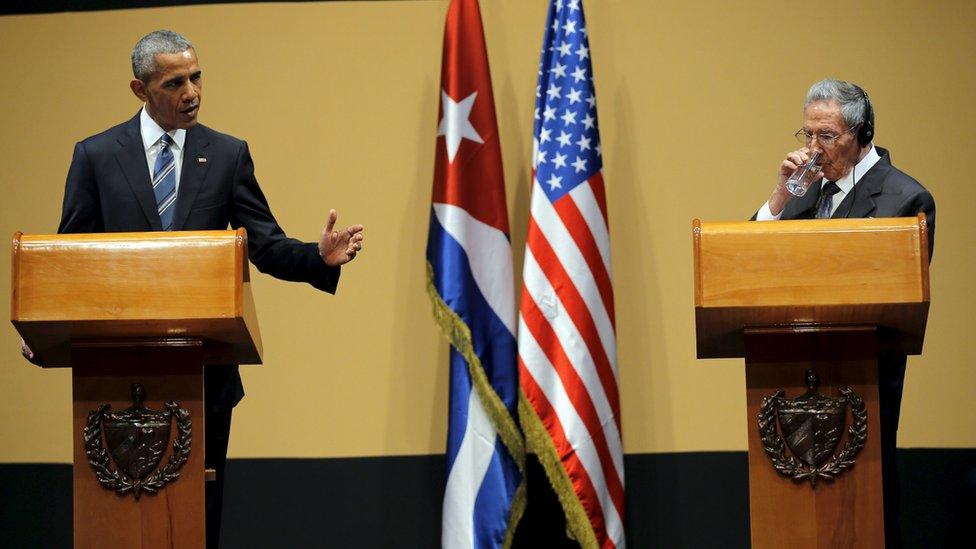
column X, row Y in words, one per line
column 800, row 180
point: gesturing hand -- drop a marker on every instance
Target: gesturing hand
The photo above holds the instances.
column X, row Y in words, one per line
column 340, row 247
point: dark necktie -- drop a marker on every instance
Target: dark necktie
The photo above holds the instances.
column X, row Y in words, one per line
column 164, row 182
column 826, row 200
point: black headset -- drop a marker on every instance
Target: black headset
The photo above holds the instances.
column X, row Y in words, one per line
column 866, row 132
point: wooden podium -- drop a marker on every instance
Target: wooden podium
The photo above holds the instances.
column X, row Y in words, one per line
column 136, row 308
column 824, row 295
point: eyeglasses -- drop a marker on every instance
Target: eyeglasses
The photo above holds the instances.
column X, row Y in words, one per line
column 825, row 139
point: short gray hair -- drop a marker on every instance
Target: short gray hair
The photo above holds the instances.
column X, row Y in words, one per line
column 145, row 51
column 852, row 99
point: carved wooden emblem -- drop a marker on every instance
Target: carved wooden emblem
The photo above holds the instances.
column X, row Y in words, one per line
column 812, row 425
column 137, row 438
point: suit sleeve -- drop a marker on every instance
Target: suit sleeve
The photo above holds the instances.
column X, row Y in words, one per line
column 268, row 246
column 81, row 211
column 924, row 203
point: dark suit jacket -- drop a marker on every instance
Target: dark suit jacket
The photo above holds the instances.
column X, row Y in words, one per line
column 108, row 189
column 884, row 191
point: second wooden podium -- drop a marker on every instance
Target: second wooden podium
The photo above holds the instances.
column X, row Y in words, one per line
column 810, row 304
column 136, row 316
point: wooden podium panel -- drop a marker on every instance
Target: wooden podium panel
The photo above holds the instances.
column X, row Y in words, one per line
column 842, row 513
column 131, row 285
column 103, row 372
column 806, row 272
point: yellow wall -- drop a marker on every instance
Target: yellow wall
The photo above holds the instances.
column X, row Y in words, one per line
column 697, row 104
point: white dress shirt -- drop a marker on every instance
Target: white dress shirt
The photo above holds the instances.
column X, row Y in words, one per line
column 151, row 134
column 845, row 184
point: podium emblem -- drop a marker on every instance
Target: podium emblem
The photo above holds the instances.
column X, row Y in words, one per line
column 137, row 438
column 813, row 425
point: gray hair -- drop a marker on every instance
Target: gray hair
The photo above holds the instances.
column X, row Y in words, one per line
column 145, row 51
column 852, row 99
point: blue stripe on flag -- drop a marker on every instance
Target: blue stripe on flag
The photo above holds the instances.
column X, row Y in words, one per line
column 492, row 523
column 460, row 393
column 492, row 341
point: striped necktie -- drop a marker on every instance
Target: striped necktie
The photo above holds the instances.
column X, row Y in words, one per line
column 826, row 201
column 164, row 182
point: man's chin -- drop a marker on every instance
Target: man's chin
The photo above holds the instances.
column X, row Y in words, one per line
column 833, row 175
column 188, row 122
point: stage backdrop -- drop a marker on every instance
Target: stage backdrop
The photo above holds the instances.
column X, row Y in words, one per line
column 338, row 101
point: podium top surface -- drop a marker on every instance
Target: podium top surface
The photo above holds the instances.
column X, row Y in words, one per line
column 809, row 272
column 192, row 284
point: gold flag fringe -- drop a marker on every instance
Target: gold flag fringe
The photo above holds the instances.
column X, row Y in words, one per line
column 539, row 442
column 459, row 335
column 515, row 515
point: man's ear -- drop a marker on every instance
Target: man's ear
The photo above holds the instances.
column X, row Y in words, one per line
column 139, row 89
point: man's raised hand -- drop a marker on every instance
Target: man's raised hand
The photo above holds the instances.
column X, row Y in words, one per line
column 340, row 247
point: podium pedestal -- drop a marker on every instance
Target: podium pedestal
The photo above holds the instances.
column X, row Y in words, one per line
column 103, row 373
column 848, row 510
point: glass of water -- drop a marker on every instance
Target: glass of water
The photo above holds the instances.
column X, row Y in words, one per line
column 800, row 180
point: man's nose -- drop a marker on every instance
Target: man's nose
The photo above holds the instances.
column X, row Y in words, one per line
column 814, row 145
column 190, row 92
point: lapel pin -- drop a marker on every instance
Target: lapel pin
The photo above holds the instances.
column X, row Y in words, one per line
column 201, row 160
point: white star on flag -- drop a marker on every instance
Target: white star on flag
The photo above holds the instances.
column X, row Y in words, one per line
column 554, row 182
column 584, row 143
column 560, row 160
column 553, row 92
column 456, row 124
column 564, row 139
column 580, row 164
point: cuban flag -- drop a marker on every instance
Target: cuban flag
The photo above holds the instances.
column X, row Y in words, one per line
column 470, row 282
column 566, row 330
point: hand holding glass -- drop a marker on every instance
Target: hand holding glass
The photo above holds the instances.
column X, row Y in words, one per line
column 801, row 178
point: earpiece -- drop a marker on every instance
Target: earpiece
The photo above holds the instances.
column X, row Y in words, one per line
column 866, row 132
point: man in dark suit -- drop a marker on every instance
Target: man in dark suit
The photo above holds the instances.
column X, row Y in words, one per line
column 856, row 180
column 161, row 170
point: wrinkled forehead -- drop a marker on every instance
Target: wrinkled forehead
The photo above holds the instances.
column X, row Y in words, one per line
column 824, row 115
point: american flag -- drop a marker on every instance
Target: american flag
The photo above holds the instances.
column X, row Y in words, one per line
column 566, row 339
column 470, row 282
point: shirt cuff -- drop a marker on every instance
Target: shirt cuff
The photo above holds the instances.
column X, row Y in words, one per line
column 765, row 215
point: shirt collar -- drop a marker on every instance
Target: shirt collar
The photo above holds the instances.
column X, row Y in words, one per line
column 151, row 132
column 847, row 182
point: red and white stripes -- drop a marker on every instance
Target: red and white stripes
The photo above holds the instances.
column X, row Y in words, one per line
column 567, row 348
